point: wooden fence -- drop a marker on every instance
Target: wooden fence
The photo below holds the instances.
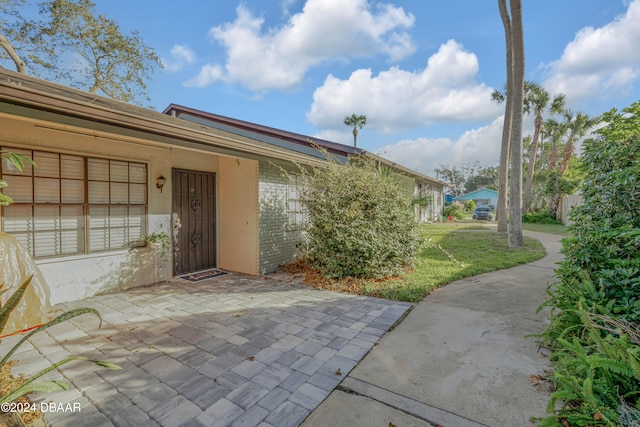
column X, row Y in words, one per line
column 566, row 204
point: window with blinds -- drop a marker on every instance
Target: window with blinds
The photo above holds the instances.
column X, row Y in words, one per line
column 73, row 204
column 295, row 210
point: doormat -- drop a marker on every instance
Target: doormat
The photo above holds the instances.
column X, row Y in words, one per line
column 203, row 275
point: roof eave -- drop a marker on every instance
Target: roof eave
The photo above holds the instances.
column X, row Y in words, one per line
column 12, row 91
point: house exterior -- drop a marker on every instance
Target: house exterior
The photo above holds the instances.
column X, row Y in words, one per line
column 482, row 197
column 427, row 191
column 110, row 173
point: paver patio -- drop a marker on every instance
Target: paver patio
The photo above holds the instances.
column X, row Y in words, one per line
column 233, row 350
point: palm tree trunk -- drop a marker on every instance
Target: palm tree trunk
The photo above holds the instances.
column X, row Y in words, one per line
column 532, row 163
column 553, row 156
column 503, row 179
column 515, row 179
column 568, row 152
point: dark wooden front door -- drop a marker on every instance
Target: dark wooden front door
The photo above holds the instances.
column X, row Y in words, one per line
column 194, row 221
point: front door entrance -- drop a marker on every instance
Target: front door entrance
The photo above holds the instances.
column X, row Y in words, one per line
column 194, row 221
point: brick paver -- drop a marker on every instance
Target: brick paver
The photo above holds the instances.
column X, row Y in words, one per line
column 233, row 350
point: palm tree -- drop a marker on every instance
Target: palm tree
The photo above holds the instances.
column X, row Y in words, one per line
column 355, row 122
column 503, row 178
column 514, row 35
column 556, row 131
column 499, row 98
column 577, row 125
column 538, row 101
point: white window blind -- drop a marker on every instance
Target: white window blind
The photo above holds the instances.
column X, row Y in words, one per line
column 295, row 210
column 117, row 203
column 74, row 204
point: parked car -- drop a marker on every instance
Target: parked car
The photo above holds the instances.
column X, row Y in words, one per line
column 483, row 212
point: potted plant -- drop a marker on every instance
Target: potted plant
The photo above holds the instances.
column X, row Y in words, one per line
column 158, row 241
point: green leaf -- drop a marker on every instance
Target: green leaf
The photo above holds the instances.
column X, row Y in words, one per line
column 19, row 391
column 63, row 317
column 634, row 364
column 587, row 392
column 616, row 366
column 12, row 303
column 43, row 387
column 564, row 395
column 107, row 365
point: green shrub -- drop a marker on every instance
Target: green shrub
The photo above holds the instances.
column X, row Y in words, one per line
column 469, row 206
column 455, row 210
column 606, row 228
column 597, row 374
column 361, row 220
column 540, row 217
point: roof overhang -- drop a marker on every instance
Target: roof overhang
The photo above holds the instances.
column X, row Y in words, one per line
column 71, row 110
column 305, row 141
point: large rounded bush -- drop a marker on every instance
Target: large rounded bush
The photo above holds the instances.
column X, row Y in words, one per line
column 361, row 221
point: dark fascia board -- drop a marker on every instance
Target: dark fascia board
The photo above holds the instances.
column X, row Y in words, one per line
column 307, row 141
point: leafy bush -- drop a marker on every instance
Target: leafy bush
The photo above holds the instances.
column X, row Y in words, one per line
column 597, row 372
column 455, row 210
column 469, row 206
column 540, row 217
column 361, row 221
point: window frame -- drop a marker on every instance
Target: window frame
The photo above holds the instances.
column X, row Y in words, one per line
column 84, row 244
column 297, row 215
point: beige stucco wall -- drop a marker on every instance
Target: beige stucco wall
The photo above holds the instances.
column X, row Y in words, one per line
column 79, row 276
column 238, row 215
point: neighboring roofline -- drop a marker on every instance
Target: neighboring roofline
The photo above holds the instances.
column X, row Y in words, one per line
column 36, row 99
column 332, row 147
column 20, row 93
column 307, row 141
column 403, row 169
column 476, row 191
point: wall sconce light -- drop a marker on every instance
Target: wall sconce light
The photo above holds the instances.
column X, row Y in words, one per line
column 160, row 181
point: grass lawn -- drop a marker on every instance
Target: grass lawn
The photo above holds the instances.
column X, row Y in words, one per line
column 558, row 229
column 455, row 251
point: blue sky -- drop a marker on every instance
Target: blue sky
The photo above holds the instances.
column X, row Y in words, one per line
column 422, row 71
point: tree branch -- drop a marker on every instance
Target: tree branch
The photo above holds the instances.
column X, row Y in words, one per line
column 20, row 66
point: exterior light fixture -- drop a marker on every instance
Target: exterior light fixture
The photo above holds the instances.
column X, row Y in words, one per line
column 160, row 181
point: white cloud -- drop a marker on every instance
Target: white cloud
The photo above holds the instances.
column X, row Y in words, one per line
column 286, row 6
column 181, row 55
column 340, row 136
column 208, row 74
column 445, row 91
column 278, row 58
column 426, row 154
column 600, row 60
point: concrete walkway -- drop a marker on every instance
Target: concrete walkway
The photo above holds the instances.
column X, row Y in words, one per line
column 458, row 359
column 230, row 351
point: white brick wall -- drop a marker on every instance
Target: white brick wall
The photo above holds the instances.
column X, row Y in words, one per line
column 277, row 243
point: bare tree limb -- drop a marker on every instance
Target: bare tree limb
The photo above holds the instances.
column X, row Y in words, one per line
column 20, row 66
